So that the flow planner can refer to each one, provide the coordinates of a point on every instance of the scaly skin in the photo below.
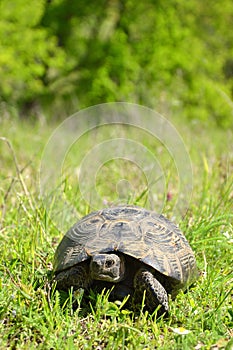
(76, 277)
(156, 295)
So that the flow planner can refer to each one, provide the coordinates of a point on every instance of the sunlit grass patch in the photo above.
(34, 315)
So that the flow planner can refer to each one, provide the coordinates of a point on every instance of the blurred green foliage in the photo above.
(173, 56)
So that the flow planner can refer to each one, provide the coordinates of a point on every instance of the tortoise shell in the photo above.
(134, 231)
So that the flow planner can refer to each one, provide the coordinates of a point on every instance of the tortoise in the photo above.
(130, 248)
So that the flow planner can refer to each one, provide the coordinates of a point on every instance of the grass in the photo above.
(33, 315)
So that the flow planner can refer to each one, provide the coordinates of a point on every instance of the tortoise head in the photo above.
(107, 267)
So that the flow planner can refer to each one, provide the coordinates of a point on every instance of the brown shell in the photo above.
(131, 230)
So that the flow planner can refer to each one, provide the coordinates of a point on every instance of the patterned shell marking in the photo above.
(137, 232)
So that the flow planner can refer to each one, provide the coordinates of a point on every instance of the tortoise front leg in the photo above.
(156, 295)
(76, 277)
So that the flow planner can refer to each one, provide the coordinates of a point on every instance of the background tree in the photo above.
(174, 56)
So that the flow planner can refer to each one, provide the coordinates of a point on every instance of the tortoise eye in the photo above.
(109, 263)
